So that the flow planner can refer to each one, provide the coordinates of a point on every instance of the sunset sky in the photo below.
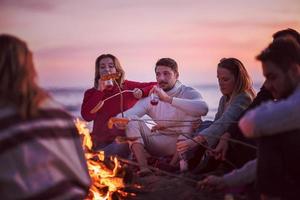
(66, 36)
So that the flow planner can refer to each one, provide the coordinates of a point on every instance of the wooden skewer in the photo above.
(100, 104)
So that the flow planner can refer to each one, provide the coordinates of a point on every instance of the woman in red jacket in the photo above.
(94, 108)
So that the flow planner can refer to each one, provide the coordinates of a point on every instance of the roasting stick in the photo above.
(147, 121)
(101, 102)
(117, 95)
(158, 170)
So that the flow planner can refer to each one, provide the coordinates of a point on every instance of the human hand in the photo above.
(185, 145)
(157, 127)
(137, 93)
(247, 126)
(163, 96)
(219, 153)
(211, 183)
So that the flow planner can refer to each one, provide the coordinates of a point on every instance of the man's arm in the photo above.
(242, 176)
(238, 177)
(139, 109)
(191, 103)
(272, 117)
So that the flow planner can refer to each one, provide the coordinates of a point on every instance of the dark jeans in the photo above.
(239, 154)
(278, 168)
(111, 149)
(194, 155)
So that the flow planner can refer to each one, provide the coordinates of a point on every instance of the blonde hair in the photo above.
(17, 77)
(243, 82)
(117, 65)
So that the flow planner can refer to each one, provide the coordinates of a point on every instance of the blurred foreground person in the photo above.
(40, 149)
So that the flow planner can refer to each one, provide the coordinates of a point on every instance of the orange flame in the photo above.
(105, 181)
(84, 131)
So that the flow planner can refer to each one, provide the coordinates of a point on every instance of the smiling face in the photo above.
(281, 84)
(226, 81)
(165, 77)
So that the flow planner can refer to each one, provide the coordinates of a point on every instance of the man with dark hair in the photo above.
(178, 107)
(169, 62)
(288, 34)
(277, 124)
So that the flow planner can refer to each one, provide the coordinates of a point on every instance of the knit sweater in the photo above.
(187, 105)
(101, 133)
(273, 117)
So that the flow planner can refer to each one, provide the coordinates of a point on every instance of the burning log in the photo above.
(106, 174)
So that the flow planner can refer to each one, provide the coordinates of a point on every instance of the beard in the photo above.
(290, 86)
(165, 86)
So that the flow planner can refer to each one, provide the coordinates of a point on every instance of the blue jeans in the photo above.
(112, 149)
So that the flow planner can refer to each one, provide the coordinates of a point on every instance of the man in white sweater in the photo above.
(178, 107)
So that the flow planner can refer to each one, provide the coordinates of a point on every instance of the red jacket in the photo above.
(101, 133)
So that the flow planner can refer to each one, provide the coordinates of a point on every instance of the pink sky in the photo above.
(66, 36)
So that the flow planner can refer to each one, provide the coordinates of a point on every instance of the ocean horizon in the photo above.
(71, 97)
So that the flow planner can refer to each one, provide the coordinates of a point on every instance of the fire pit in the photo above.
(114, 178)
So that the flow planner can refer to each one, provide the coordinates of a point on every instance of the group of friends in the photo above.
(223, 151)
(252, 144)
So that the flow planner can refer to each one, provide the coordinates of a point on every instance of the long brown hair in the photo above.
(117, 65)
(17, 77)
(243, 82)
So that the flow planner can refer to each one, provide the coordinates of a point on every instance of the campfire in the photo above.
(113, 178)
(107, 174)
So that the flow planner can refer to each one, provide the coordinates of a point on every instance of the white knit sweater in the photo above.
(187, 105)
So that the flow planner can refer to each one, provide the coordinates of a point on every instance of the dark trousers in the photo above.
(239, 154)
(278, 168)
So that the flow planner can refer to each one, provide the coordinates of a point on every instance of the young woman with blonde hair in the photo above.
(95, 107)
(236, 86)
